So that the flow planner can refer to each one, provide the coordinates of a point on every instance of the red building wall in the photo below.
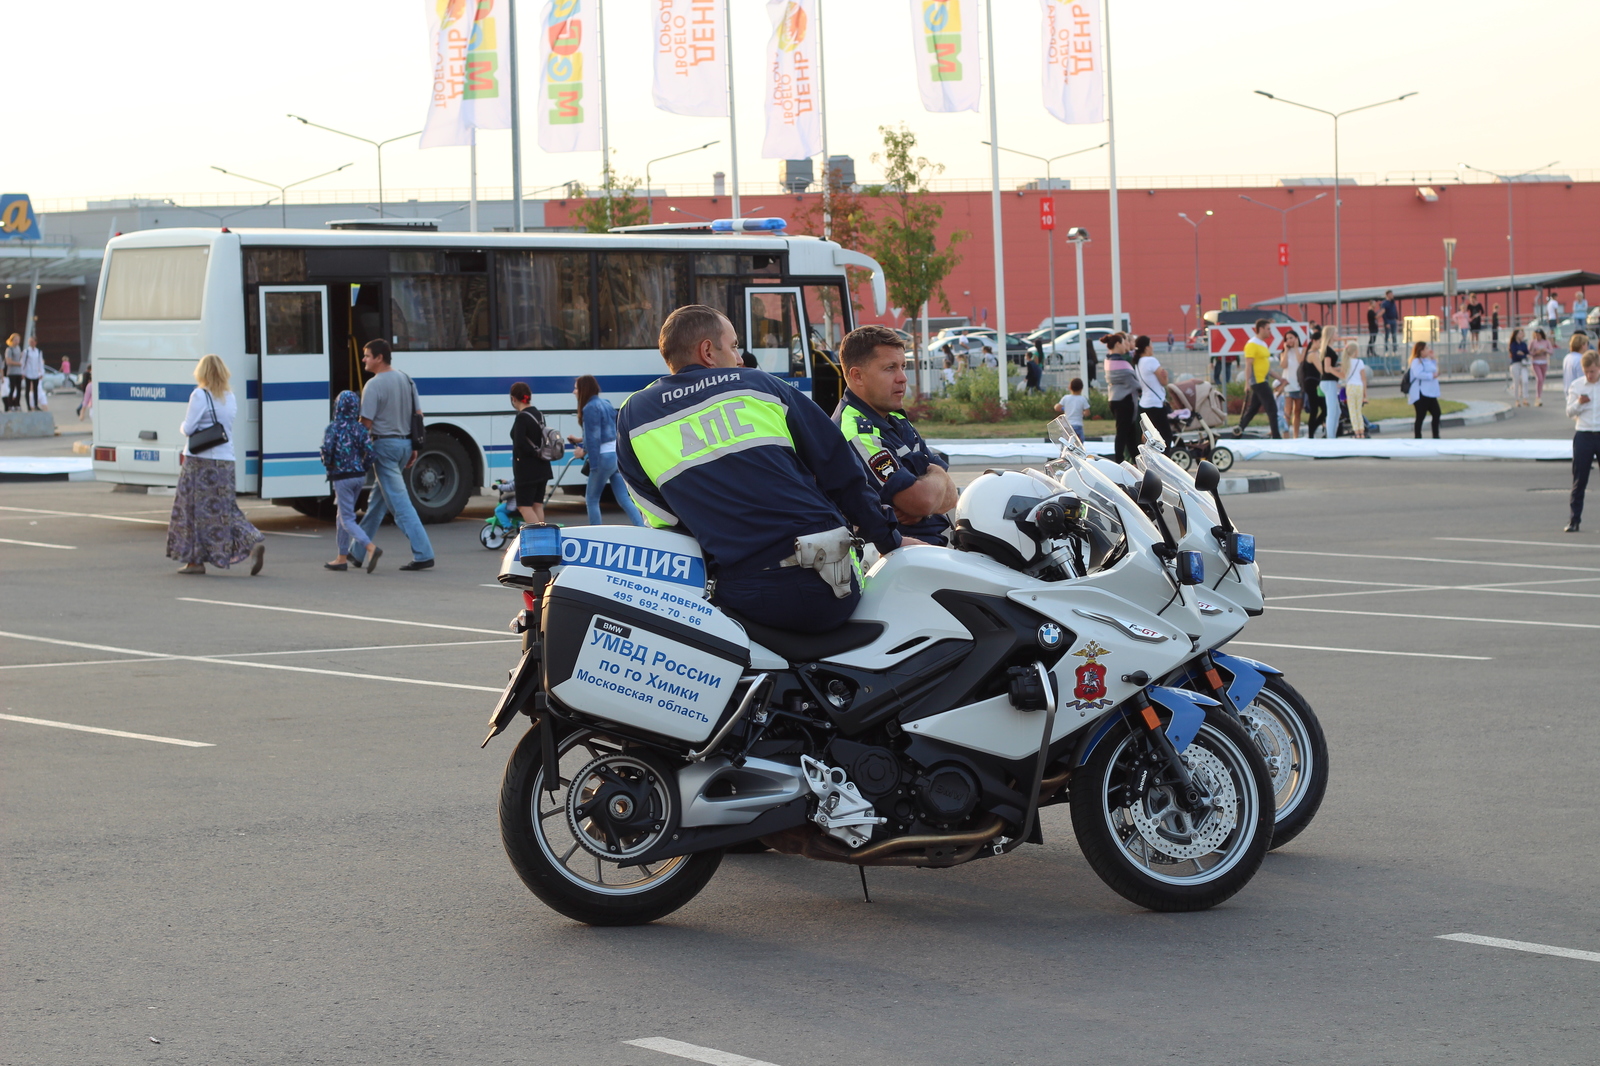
(1390, 237)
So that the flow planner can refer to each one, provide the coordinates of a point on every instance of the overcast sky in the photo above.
(119, 99)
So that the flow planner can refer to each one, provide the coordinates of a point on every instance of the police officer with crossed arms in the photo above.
(756, 472)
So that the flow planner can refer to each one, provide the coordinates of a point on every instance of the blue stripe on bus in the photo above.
(611, 383)
(292, 467)
(252, 466)
(148, 392)
(271, 456)
(252, 389)
(278, 391)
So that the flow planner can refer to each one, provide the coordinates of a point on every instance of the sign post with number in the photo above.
(1047, 223)
(1283, 255)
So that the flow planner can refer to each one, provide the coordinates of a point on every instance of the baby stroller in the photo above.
(1198, 409)
(505, 521)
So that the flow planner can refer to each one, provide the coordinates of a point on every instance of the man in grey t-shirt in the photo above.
(387, 403)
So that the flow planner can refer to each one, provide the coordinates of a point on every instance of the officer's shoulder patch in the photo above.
(864, 424)
(883, 464)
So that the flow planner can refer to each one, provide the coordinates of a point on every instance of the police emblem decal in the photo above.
(1049, 635)
(882, 464)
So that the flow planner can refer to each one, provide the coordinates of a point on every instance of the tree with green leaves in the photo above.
(617, 204)
(903, 233)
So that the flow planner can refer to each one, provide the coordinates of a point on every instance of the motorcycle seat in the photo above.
(805, 647)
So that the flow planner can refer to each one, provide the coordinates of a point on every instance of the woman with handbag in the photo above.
(598, 445)
(1422, 387)
(207, 525)
(1152, 387)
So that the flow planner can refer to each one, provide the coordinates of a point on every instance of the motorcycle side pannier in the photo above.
(640, 653)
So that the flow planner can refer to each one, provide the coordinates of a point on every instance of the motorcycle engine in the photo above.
(940, 796)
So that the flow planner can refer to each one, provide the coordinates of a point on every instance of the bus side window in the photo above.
(638, 290)
(542, 301)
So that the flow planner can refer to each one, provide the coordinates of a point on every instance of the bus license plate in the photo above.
(148, 455)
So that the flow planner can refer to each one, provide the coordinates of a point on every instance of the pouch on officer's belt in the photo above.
(828, 553)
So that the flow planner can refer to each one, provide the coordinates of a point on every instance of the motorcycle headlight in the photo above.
(1191, 568)
(539, 547)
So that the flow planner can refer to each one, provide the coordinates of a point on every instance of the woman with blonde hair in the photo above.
(1356, 376)
(13, 371)
(207, 525)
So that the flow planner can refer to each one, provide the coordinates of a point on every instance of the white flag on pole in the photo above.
(569, 118)
(470, 90)
(945, 45)
(1074, 82)
(794, 125)
(691, 76)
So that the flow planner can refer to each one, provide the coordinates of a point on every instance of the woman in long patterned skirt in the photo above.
(207, 525)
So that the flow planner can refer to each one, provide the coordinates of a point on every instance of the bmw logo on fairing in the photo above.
(1049, 635)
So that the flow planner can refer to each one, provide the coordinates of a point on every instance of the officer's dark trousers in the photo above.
(787, 598)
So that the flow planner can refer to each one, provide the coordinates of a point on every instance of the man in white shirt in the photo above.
(1552, 314)
(1583, 406)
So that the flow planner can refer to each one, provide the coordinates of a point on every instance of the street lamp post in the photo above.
(1338, 280)
(1198, 306)
(649, 196)
(283, 190)
(377, 145)
(1283, 213)
(1049, 238)
(1511, 228)
(1079, 237)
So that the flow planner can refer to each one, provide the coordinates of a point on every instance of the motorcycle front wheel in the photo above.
(1151, 851)
(560, 849)
(1289, 737)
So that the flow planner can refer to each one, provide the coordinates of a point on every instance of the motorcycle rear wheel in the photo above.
(1206, 861)
(540, 841)
(1300, 775)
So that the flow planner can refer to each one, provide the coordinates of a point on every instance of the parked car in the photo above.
(1247, 317)
(1065, 347)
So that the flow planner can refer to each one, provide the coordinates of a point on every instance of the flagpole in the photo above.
(733, 129)
(822, 107)
(472, 205)
(994, 202)
(605, 130)
(516, 123)
(1111, 137)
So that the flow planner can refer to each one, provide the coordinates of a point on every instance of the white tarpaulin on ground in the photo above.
(1074, 82)
(569, 112)
(1248, 450)
(794, 126)
(690, 67)
(945, 46)
(78, 468)
(464, 39)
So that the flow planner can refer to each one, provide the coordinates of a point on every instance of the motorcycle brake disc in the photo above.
(1273, 740)
(1172, 831)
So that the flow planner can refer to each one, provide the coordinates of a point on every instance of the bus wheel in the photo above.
(441, 479)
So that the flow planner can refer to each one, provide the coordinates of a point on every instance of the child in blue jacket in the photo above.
(347, 456)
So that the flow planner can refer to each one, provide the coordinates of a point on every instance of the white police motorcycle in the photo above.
(973, 686)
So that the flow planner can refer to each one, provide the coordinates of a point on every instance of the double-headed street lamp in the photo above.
(377, 145)
(1049, 237)
(1283, 212)
(649, 195)
(1511, 227)
(1338, 280)
(1198, 307)
(283, 190)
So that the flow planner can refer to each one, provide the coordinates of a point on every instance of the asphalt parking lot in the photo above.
(323, 880)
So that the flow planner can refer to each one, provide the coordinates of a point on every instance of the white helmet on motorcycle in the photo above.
(987, 518)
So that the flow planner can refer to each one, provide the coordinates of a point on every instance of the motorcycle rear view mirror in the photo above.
(1150, 488)
(1207, 477)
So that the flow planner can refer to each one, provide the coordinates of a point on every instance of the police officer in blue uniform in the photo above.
(755, 472)
(898, 462)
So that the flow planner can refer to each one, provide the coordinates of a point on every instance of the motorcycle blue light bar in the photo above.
(748, 225)
(1243, 548)
(1191, 568)
(539, 547)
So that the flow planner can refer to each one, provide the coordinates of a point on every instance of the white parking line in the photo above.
(695, 1052)
(141, 521)
(332, 614)
(1427, 559)
(39, 544)
(155, 655)
(107, 732)
(1360, 651)
(258, 654)
(1522, 945)
(1536, 543)
(1440, 617)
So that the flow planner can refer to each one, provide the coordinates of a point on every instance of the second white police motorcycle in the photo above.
(973, 686)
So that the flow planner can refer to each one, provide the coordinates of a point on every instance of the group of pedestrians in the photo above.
(24, 372)
(1136, 384)
(376, 432)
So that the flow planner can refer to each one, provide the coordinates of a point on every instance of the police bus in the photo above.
(467, 314)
